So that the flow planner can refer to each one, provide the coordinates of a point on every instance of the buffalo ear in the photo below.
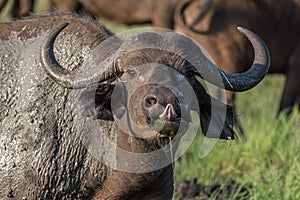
(103, 101)
(216, 118)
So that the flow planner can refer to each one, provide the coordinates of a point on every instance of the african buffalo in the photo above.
(158, 13)
(212, 23)
(86, 114)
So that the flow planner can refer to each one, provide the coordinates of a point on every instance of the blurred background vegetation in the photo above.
(268, 160)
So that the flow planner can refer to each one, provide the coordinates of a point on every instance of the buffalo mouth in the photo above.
(165, 121)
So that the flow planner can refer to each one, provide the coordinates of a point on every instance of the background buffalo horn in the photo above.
(241, 81)
(63, 76)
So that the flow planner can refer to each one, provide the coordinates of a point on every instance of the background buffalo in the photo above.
(212, 24)
(155, 12)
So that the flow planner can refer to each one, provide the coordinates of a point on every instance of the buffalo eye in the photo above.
(132, 74)
(190, 76)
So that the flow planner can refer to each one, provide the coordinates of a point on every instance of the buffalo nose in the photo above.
(150, 101)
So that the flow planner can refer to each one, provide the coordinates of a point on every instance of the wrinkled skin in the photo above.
(277, 21)
(27, 170)
(46, 147)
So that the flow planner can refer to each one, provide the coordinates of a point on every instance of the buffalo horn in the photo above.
(64, 77)
(241, 81)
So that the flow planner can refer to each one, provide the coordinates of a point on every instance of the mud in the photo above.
(193, 190)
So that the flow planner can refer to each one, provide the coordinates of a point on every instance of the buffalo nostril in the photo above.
(151, 101)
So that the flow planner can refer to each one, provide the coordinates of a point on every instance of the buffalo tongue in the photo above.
(169, 113)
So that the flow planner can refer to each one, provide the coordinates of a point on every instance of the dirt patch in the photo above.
(191, 189)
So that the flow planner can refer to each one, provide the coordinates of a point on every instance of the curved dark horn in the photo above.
(246, 80)
(63, 76)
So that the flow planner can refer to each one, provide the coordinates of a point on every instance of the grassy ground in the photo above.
(269, 159)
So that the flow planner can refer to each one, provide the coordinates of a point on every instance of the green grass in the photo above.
(4, 14)
(269, 159)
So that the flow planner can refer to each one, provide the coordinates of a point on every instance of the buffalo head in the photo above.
(152, 81)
